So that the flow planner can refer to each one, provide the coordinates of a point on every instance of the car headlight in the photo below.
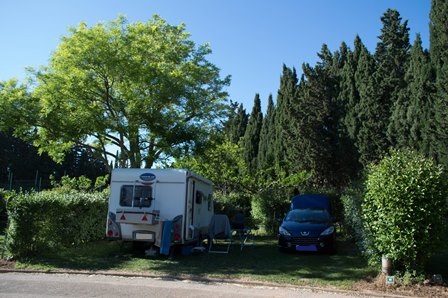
(283, 231)
(328, 231)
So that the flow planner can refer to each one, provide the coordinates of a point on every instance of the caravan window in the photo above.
(210, 202)
(199, 197)
(136, 196)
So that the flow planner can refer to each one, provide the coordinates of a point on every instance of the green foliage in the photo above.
(411, 122)
(268, 207)
(404, 208)
(439, 57)
(101, 182)
(52, 219)
(352, 220)
(235, 127)
(5, 196)
(274, 199)
(251, 139)
(266, 147)
(17, 107)
(231, 203)
(81, 183)
(283, 140)
(145, 88)
(223, 164)
(316, 138)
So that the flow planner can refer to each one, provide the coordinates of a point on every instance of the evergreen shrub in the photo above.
(404, 209)
(49, 220)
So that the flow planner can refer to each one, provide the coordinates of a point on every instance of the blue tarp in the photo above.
(310, 201)
(165, 242)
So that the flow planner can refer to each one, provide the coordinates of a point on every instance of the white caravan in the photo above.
(163, 207)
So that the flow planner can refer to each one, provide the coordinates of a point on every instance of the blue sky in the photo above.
(250, 39)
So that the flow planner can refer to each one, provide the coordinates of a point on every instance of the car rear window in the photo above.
(308, 215)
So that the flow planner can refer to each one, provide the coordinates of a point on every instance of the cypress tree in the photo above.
(411, 119)
(266, 150)
(392, 54)
(370, 135)
(251, 137)
(286, 116)
(317, 135)
(438, 30)
(237, 123)
(379, 81)
(349, 95)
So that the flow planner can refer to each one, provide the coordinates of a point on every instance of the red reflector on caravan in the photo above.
(123, 217)
(144, 218)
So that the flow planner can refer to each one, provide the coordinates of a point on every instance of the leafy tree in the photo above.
(144, 88)
(251, 137)
(439, 59)
(404, 208)
(18, 108)
(223, 163)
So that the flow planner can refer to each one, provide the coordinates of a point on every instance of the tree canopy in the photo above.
(136, 93)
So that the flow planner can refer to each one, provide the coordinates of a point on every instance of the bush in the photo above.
(231, 203)
(269, 206)
(52, 220)
(404, 208)
(352, 200)
(5, 195)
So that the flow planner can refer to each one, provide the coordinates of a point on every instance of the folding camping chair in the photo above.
(241, 231)
(219, 234)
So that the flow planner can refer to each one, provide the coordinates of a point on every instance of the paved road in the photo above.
(13, 284)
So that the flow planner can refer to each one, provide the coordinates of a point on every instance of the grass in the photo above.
(261, 262)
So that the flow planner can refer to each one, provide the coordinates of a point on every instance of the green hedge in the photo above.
(52, 220)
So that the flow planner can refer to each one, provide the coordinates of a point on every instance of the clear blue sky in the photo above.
(250, 39)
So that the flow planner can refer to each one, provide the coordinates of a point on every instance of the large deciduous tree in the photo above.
(136, 92)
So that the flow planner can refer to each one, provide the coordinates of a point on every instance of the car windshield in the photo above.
(308, 215)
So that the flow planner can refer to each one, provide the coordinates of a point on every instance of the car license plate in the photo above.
(306, 248)
(143, 236)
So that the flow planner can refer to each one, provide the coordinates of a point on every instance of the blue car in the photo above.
(310, 229)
